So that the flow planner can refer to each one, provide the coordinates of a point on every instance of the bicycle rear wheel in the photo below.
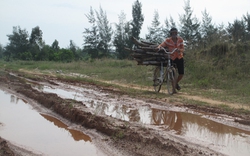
(171, 79)
(157, 79)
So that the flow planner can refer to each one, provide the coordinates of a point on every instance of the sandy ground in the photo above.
(115, 137)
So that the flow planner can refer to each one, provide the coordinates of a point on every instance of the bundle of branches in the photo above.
(146, 53)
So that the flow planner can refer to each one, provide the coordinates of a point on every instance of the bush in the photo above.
(219, 49)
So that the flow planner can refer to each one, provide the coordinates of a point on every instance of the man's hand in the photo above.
(158, 49)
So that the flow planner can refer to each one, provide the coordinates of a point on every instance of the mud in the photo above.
(128, 137)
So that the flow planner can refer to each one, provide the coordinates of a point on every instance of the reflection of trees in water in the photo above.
(134, 115)
(216, 132)
(119, 111)
(12, 98)
(201, 123)
(76, 135)
(123, 111)
(168, 118)
(100, 108)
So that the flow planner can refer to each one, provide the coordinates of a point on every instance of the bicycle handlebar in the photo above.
(167, 52)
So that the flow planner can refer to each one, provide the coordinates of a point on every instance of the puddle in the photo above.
(43, 134)
(220, 137)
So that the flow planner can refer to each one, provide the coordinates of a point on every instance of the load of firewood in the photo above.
(146, 53)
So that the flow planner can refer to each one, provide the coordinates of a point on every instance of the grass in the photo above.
(202, 77)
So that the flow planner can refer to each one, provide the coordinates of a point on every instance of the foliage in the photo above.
(122, 37)
(138, 19)
(19, 43)
(208, 31)
(155, 30)
(237, 30)
(91, 36)
(189, 27)
(1, 51)
(105, 33)
(168, 25)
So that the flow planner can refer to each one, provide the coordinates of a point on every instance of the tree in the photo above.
(36, 37)
(236, 30)
(208, 31)
(155, 30)
(121, 38)
(1, 51)
(65, 55)
(172, 22)
(105, 33)
(168, 25)
(247, 25)
(91, 36)
(222, 33)
(19, 43)
(137, 20)
(36, 43)
(45, 54)
(75, 50)
(189, 26)
(55, 45)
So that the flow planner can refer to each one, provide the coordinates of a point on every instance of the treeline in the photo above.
(101, 41)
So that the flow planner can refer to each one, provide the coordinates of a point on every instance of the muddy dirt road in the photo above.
(122, 125)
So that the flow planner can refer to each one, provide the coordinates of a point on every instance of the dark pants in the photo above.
(179, 64)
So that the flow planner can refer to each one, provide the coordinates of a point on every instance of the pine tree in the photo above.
(236, 30)
(247, 24)
(189, 27)
(105, 33)
(155, 30)
(121, 39)
(137, 20)
(168, 25)
(208, 31)
(91, 36)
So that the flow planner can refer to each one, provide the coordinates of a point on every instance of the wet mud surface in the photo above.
(133, 126)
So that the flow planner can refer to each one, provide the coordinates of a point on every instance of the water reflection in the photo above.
(229, 140)
(77, 135)
(14, 99)
(197, 128)
(171, 119)
(21, 124)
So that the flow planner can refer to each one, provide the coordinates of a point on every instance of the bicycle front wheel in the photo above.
(171, 80)
(157, 79)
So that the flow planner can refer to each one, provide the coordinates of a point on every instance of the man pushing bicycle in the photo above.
(172, 42)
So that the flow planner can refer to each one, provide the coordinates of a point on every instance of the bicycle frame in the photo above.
(166, 76)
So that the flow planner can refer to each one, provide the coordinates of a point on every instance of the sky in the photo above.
(65, 20)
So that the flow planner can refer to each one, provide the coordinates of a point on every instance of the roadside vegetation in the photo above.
(223, 78)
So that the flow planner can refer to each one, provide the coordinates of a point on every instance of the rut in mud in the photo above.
(130, 137)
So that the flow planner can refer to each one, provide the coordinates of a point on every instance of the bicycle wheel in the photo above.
(157, 79)
(171, 78)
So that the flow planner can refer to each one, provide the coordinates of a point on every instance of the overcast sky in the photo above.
(65, 20)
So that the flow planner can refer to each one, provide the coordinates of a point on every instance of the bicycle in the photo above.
(168, 75)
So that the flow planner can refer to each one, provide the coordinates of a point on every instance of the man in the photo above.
(175, 41)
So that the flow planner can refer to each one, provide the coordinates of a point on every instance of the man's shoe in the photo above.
(178, 87)
(174, 92)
